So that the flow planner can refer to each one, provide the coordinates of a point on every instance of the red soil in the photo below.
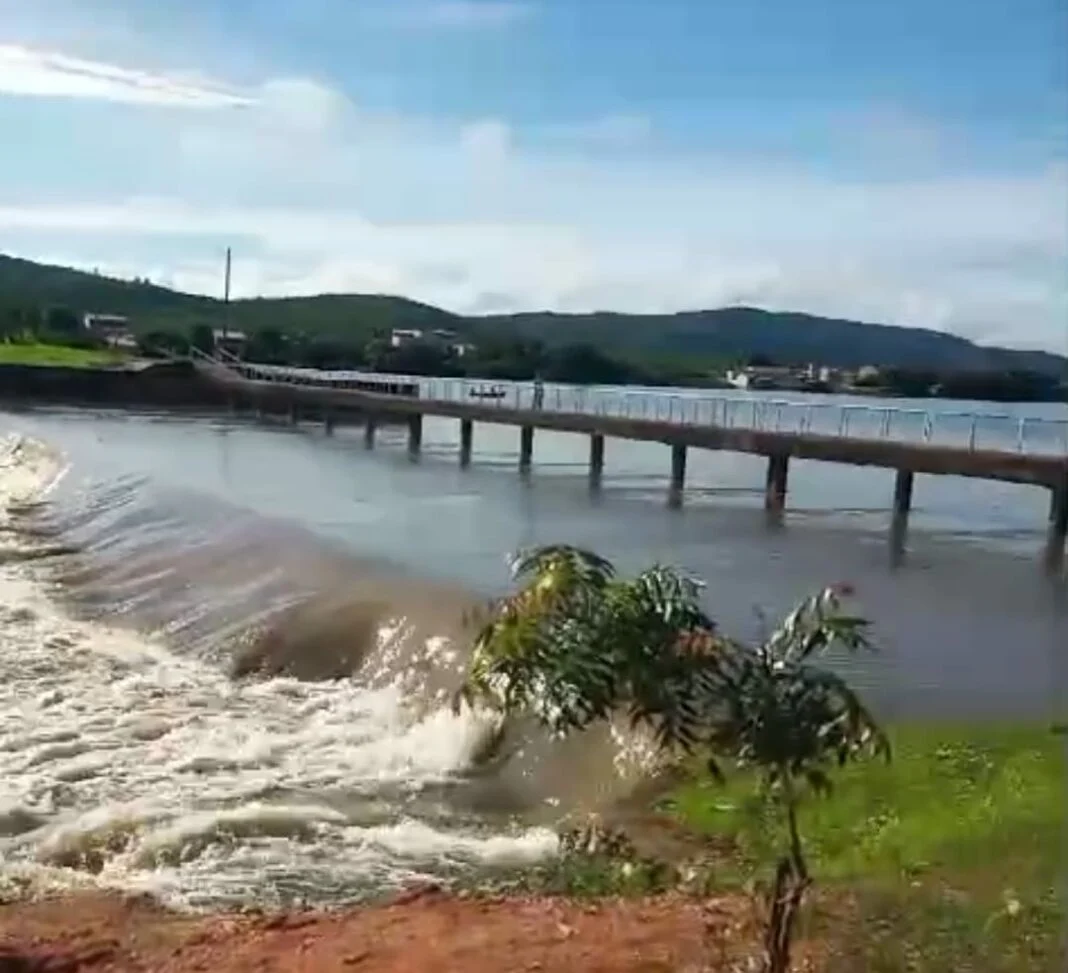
(426, 931)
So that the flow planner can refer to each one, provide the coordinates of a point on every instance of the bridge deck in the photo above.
(1041, 470)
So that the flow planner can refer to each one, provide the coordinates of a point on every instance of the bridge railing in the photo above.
(972, 430)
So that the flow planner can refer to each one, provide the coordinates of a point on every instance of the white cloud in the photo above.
(319, 195)
(610, 131)
(488, 142)
(28, 72)
(460, 14)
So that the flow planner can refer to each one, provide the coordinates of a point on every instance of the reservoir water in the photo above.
(226, 646)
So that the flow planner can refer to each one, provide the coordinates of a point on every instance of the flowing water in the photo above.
(227, 648)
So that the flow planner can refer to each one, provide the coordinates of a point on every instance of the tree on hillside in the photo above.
(417, 358)
(269, 346)
(584, 364)
(62, 321)
(576, 645)
(202, 337)
(161, 342)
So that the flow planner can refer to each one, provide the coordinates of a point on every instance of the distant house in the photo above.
(767, 377)
(112, 329)
(439, 337)
(230, 341)
(399, 337)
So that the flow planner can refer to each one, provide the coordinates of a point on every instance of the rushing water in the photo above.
(226, 647)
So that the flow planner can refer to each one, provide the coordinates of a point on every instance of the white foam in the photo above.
(127, 766)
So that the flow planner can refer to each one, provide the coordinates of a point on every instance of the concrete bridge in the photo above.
(907, 441)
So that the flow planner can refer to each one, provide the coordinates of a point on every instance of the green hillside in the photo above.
(722, 334)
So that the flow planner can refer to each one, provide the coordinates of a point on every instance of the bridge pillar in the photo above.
(369, 428)
(775, 488)
(899, 525)
(1058, 530)
(678, 475)
(415, 434)
(294, 413)
(467, 435)
(596, 460)
(328, 422)
(526, 448)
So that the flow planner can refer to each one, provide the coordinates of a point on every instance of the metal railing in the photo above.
(1002, 432)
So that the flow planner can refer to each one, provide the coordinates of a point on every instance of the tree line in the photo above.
(509, 357)
(503, 358)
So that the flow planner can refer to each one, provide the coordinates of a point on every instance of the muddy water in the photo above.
(226, 681)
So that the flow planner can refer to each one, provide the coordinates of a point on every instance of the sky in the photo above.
(902, 162)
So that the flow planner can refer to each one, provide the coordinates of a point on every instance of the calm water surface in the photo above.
(969, 624)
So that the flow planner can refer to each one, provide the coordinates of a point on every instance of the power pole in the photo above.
(226, 297)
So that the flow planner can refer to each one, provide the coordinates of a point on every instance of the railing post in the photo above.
(1021, 437)
(971, 435)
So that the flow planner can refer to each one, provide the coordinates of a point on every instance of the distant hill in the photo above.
(788, 336)
(735, 332)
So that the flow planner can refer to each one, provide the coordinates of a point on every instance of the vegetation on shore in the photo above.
(946, 858)
(949, 858)
(686, 348)
(577, 645)
(52, 354)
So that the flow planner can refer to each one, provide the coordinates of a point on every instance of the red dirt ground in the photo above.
(425, 931)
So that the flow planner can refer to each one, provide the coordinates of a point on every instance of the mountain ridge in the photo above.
(730, 332)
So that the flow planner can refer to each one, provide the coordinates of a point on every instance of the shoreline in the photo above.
(423, 930)
(159, 384)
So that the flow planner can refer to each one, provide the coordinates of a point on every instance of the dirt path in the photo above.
(422, 932)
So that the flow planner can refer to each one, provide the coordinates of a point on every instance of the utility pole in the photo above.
(226, 297)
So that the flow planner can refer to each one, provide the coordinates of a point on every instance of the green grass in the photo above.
(57, 355)
(949, 858)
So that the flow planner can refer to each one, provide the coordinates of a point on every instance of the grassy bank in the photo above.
(949, 858)
(57, 356)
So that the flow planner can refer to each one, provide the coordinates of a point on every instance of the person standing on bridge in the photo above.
(539, 393)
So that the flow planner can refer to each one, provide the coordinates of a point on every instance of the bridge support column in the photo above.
(1058, 530)
(415, 434)
(294, 413)
(596, 461)
(526, 448)
(775, 488)
(899, 525)
(678, 475)
(369, 428)
(328, 422)
(467, 435)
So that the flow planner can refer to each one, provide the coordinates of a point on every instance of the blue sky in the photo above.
(903, 162)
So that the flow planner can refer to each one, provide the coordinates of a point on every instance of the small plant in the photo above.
(576, 644)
